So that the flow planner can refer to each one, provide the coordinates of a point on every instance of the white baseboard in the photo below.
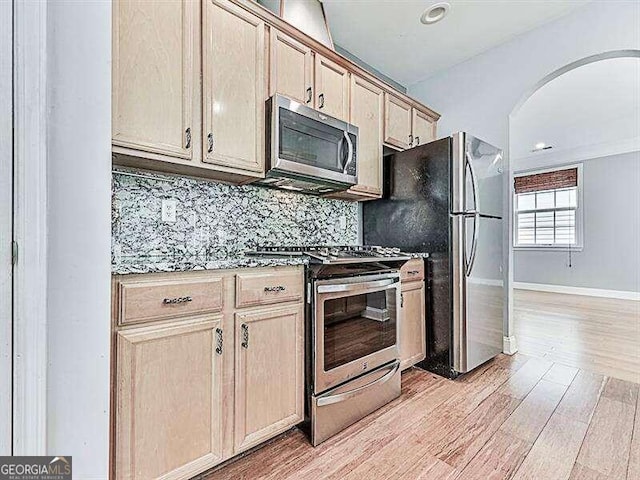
(509, 345)
(589, 292)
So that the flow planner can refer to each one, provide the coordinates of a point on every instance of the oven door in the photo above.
(310, 144)
(355, 327)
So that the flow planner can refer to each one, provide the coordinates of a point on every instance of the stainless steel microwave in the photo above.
(307, 150)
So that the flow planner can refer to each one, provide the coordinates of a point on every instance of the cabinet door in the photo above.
(153, 75)
(424, 128)
(269, 373)
(332, 88)
(291, 66)
(367, 107)
(413, 347)
(168, 400)
(233, 88)
(397, 122)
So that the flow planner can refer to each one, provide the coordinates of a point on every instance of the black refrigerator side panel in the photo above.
(414, 211)
(414, 216)
(438, 316)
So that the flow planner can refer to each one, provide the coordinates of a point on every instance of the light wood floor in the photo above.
(516, 417)
(597, 334)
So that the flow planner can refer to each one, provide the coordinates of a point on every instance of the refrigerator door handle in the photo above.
(474, 244)
(474, 182)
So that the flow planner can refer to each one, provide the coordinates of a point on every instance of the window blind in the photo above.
(547, 181)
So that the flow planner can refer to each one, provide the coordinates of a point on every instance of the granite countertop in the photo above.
(177, 263)
(155, 264)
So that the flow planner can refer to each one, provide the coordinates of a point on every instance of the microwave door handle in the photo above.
(349, 154)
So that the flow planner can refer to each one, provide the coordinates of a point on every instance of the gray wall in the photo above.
(610, 259)
(479, 95)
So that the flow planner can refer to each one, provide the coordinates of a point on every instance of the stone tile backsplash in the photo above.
(218, 220)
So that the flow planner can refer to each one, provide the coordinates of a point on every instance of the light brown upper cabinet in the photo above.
(153, 77)
(291, 68)
(406, 125)
(397, 122)
(234, 90)
(269, 390)
(169, 404)
(332, 88)
(423, 127)
(366, 112)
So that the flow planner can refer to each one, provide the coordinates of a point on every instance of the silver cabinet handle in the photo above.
(341, 397)
(410, 140)
(275, 288)
(309, 94)
(402, 300)
(413, 272)
(245, 335)
(219, 341)
(210, 141)
(321, 100)
(187, 135)
(177, 300)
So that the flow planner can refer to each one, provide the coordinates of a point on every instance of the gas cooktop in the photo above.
(337, 254)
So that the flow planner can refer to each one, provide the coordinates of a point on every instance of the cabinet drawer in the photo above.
(268, 288)
(142, 301)
(413, 270)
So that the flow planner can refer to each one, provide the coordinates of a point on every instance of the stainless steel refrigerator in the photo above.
(446, 198)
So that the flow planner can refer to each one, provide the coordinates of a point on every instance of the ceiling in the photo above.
(388, 34)
(594, 105)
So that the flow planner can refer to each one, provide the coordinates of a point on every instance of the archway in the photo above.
(555, 112)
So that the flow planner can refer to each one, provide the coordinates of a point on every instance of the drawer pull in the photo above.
(177, 300)
(413, 272)
(276, 288)
(245, 335)
(219, 341)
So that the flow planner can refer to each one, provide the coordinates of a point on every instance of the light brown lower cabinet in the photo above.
(194, 390)
(413, 347)
(168, 400)
(269, 373)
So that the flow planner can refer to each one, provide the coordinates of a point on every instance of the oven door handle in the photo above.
(358, 287)
(341, 397)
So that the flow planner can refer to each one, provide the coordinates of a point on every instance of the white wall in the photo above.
(479, 94)
(6, 233)
(610, 259)
(79, 176)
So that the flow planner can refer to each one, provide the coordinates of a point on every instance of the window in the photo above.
(547, 209)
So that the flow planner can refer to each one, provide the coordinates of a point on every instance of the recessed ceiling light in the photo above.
(435, 13)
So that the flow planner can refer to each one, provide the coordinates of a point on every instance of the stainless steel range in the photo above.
(352, 358)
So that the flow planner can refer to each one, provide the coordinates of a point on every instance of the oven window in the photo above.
(307, 141)
(357, 326)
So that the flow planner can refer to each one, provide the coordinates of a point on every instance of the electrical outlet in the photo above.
(169, 207)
